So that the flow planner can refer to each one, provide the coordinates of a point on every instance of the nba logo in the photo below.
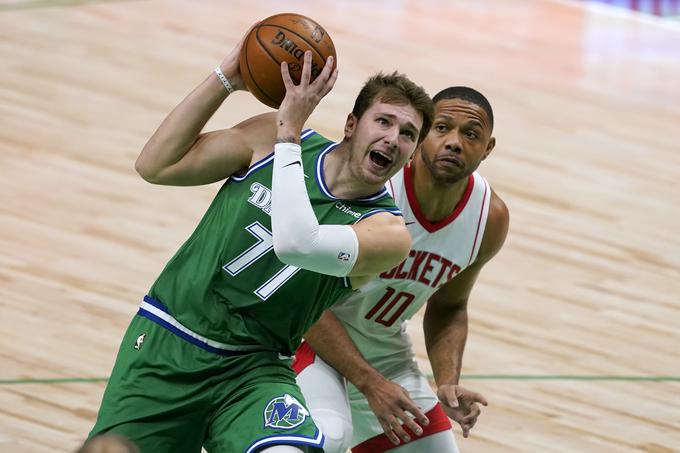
(284, 412)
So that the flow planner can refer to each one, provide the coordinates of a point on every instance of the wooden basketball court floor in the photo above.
(574, 327)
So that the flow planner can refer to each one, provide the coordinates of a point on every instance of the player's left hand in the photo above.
(461, 405)
(302, 99)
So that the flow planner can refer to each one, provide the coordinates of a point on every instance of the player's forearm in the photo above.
(298, 239)
(445, 336)
(330, 341)
(180, 129)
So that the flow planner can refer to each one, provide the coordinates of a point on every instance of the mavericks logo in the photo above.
(284, 412)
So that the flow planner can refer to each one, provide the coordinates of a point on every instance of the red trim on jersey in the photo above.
(479, 223)
(415, 207)
(304, 356)
(438, 422)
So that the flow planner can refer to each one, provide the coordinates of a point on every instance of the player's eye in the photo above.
(409, 133)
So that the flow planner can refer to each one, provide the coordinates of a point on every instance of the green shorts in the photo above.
(169, 395)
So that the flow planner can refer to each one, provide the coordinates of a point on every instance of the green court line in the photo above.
(470, 377)
(563, 377)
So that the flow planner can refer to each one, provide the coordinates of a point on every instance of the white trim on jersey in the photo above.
(176, 327)
(375, 313)
(292, 439)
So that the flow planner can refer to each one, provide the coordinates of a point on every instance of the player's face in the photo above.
(383, 140)
(459, 140)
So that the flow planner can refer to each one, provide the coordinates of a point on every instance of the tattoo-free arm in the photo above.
(446, 324)
(388, 400)
(179, 154)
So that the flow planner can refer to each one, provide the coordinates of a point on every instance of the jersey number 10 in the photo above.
(382, 317)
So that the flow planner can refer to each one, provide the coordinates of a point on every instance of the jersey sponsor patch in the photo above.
(284, 412)
(347, 210)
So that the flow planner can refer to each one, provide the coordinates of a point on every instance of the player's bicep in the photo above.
(213, 157)
(457, 290)
(384, 242)
(219, 154)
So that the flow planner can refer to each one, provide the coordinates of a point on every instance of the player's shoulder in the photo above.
(257, 133)
(497, 224)
(311, 138)
(498, 209)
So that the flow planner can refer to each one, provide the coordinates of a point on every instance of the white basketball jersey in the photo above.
(375, 314)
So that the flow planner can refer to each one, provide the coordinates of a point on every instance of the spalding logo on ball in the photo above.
(279, 38)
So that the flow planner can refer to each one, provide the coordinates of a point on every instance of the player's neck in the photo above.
(436, 200)
(339, 178)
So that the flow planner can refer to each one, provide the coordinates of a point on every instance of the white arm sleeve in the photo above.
(299, 240)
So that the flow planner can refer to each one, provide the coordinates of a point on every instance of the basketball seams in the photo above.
(311, 43)
(269, 54)
(263, 53)
(257, 85)
(305, 18)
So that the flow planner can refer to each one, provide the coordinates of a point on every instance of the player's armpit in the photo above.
(384, 242)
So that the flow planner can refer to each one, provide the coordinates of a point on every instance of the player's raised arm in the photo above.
(179, 154)
(372, 245)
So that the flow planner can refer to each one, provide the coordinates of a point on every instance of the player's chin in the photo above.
(374, 175)
(450, 174)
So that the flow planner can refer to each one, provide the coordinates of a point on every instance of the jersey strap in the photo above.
(155, 311)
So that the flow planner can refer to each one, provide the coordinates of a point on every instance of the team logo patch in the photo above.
(140, 340)
(284, 412)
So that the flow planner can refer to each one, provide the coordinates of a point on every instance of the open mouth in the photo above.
(380, 159)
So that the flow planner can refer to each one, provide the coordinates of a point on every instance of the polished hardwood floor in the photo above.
(574, 327)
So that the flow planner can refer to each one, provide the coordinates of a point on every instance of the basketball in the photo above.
(279, 38)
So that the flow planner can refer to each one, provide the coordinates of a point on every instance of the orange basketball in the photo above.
(279, 38)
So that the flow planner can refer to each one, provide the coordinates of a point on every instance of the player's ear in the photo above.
(350, 125)
(489, 147)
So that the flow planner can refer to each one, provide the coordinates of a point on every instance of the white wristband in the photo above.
(299, 240)
(223, 79)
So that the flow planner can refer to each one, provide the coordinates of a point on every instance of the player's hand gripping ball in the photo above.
(279, 38)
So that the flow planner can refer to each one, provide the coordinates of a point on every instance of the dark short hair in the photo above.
(466, 94)
(396, 88)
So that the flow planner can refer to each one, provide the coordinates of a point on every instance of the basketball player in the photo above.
(206, 361)
(457, 224)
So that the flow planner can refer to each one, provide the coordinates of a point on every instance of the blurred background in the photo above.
(574, 334)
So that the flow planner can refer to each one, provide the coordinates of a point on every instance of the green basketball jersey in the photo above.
(225, 287)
